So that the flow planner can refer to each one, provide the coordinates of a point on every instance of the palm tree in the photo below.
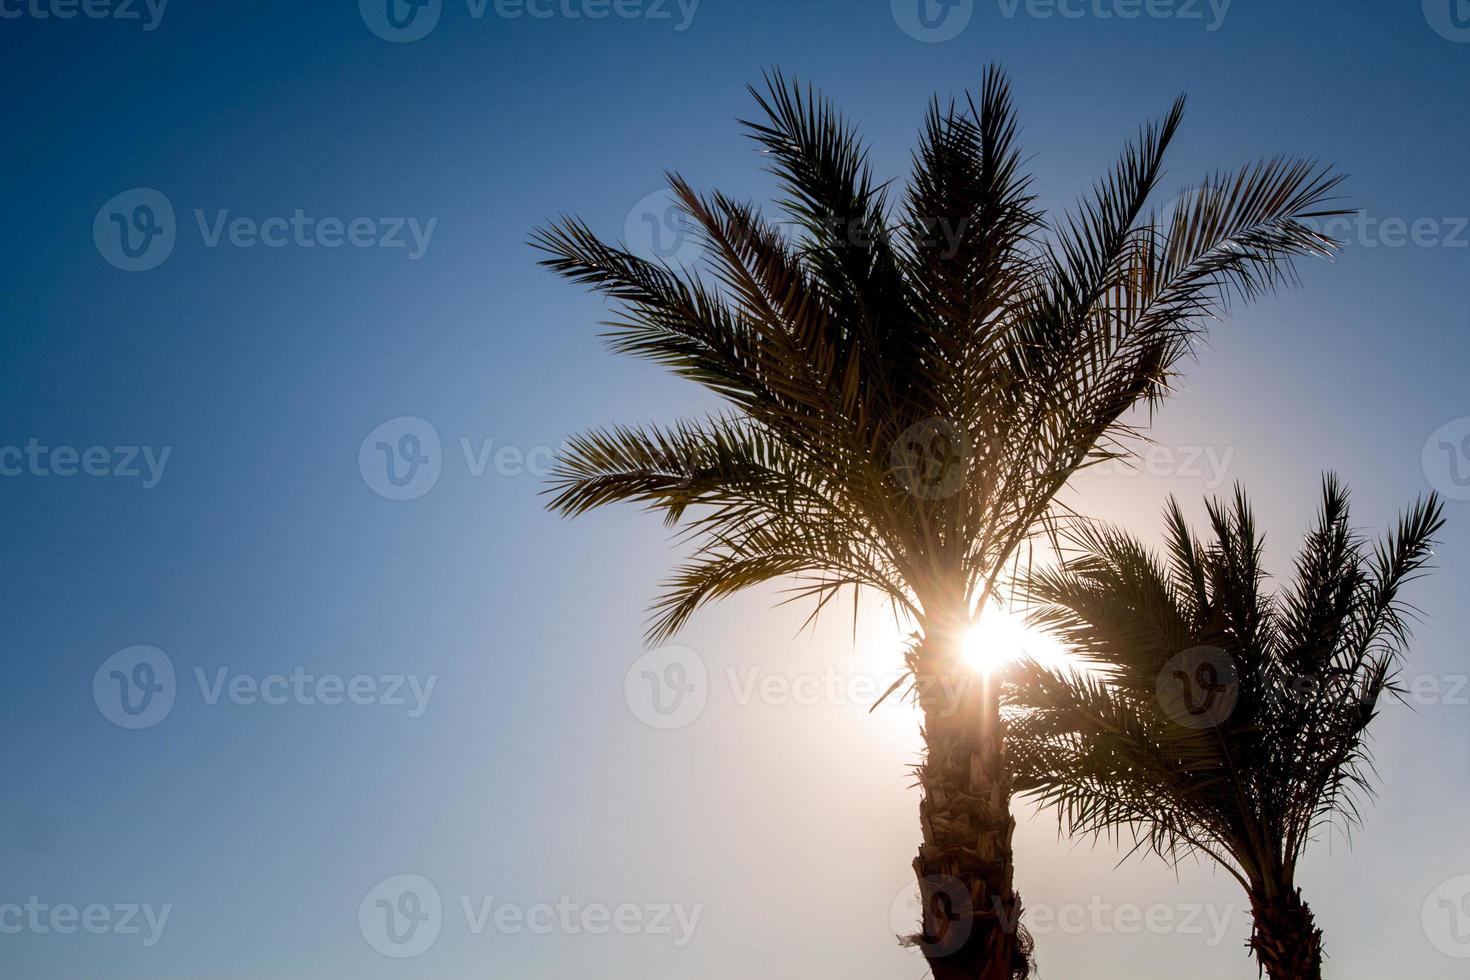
(1220, 721)
(907, 386)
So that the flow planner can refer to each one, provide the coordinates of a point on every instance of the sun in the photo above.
(1002, 636)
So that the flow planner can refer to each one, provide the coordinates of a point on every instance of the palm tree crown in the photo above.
(1220, 719)
(908, 382)
(909, 386)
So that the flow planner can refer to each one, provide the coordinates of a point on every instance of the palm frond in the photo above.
(1304, 674)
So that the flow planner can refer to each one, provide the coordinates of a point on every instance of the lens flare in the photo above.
(1001, 637)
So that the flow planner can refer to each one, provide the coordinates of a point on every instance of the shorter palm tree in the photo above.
(1220, 720)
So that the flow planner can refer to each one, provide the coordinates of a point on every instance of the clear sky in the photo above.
(772, 831)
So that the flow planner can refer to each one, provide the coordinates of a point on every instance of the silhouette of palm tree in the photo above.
(909, 384)
(1220, 720)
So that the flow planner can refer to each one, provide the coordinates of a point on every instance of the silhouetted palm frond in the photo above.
(1298, 676)
(911, 384)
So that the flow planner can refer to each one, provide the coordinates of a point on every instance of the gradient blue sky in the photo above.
(528, 778)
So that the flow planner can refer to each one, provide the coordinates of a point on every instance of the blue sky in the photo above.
(241, 382)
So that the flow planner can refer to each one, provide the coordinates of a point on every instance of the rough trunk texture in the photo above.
(971, 926)
(1286, 940)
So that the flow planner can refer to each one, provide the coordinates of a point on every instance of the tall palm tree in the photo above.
(1221, 721)
(908, 384)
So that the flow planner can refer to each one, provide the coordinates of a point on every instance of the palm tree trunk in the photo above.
(971, 925)
(1286, 940)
